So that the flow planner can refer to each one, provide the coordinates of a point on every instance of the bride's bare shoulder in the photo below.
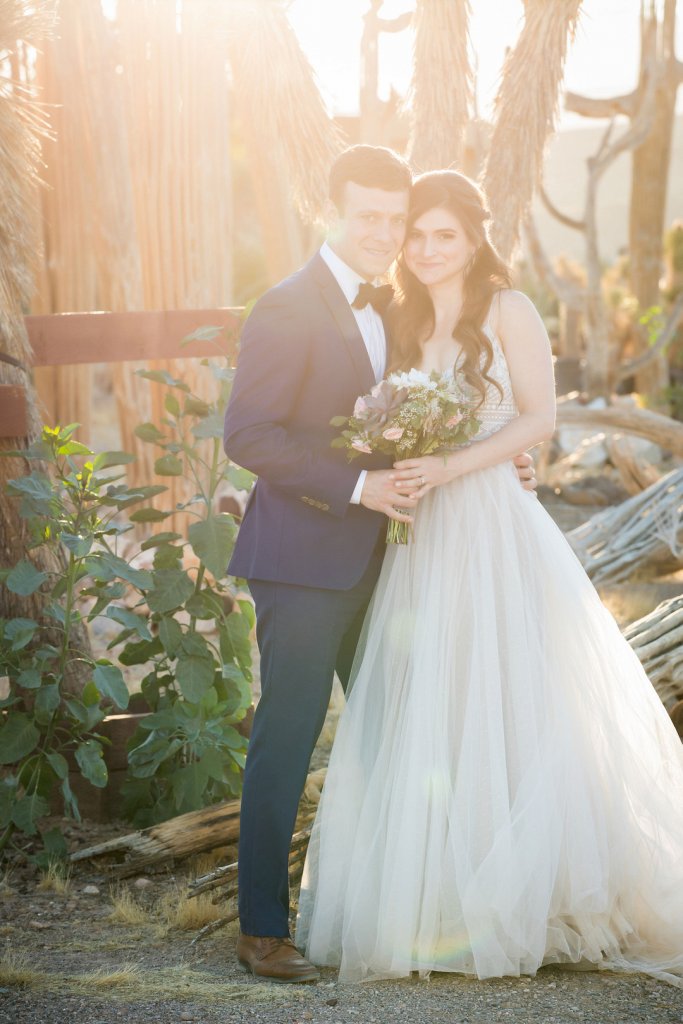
(512, 310)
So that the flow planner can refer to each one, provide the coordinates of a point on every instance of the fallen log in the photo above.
(643, 535)
(657, 639)
(187, 834)
(177, 838)
(663, 430)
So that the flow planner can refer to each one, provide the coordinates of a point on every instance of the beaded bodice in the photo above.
(497, 409)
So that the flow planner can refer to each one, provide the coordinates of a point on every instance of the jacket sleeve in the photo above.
(272, 362)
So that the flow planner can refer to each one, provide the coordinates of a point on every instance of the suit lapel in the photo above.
(336, 302)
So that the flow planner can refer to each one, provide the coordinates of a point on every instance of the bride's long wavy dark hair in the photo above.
(412, 314)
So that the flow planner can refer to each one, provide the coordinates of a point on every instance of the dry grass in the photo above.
(56, 879)
(6, 883)
(15, 969)
(124, 976)
(177, 912)
(131, 982)
(126, 910)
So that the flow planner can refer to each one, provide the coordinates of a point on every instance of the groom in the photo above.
(311, 541)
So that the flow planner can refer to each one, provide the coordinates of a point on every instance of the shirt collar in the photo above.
(348, 280)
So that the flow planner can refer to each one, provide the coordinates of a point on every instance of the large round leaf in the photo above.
(24, 579)
(195, 673)
(110, 682)
(18, 737)
(211, 541)
(91, 763)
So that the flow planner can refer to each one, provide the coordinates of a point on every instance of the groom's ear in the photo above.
(331, 214)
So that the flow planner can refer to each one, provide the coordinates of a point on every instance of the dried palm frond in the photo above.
(525, 111)
(22, 123)
(442, 83)
(279, 98)
(25, 22)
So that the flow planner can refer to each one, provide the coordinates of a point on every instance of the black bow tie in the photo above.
(379, 298)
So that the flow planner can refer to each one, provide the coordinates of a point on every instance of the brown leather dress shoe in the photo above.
(274, 959)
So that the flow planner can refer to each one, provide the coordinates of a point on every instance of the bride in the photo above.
(505, 786)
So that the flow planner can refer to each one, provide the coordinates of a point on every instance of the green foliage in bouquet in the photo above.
(409, 415)
(72, 510)
(406, 416)
(188, 753)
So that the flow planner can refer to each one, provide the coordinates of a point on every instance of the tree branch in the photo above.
(395, 24)
(586, 106)
(566, 292)
(663, 340)
(570, 222)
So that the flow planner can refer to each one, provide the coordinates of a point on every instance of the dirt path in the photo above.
(67, 959)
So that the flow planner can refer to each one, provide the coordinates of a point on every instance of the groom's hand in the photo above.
(524, 464)
(381, 493)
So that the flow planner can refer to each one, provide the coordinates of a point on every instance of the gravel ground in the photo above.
(66, 960)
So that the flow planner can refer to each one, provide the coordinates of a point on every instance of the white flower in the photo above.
(404, 380)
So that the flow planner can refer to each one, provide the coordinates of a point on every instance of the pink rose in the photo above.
(359, 444)
(454, 420)
(360, 407)
(393, 434)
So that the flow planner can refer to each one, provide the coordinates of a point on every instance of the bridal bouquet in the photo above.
(408, 415)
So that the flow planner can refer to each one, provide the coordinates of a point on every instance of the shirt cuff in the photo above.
(358, 489)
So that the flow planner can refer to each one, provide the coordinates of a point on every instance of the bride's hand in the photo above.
(420, 475)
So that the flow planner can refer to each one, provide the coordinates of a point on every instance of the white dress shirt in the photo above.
(369, 324)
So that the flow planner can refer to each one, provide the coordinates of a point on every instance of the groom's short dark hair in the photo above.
(371, 166)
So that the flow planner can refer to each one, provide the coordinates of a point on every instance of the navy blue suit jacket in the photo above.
(302, 360)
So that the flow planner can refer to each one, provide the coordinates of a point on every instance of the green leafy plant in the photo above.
(188, 753)
(70, 503)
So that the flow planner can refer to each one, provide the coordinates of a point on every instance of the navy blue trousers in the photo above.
(304, 636)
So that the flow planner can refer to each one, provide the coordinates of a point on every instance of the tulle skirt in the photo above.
(505, 787)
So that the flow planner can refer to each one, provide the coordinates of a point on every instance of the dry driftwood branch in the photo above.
(635, 472)
(657, 639)
(224, 879)
(642, 535)
(175, 839)
(663, 430)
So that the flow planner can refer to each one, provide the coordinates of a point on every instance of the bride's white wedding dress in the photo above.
(505, 787)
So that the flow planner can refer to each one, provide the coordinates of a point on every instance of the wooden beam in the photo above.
(67, 339)
(13, 411)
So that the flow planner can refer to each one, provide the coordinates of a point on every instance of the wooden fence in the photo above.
(69, 339)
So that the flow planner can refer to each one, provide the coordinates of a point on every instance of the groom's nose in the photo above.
(383, 231)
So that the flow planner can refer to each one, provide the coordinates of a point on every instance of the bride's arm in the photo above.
(529, 358)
